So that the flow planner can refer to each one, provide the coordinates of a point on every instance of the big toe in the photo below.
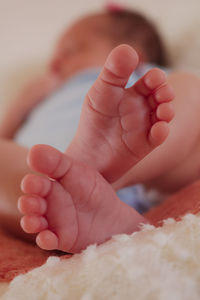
(49, 161)
(114, 76)
(119, 65)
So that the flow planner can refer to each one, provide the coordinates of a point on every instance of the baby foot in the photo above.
(118, 125)
(74, 206)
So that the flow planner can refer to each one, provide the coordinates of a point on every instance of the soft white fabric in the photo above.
(154, 264)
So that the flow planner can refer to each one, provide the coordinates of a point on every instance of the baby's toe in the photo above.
(158, 133)
(33, 224)
(165, 112)
(49, 161)
(164, 93)
(150, 81)
(36, 185)
(154, 78)
(119, 65)
(47, 240)
(105, 94)
(31, 205)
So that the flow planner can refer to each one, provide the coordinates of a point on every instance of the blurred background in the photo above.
(30, 28)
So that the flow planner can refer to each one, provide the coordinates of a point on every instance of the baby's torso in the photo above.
(54, 121)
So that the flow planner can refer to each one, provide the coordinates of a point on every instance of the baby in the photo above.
(123, 138)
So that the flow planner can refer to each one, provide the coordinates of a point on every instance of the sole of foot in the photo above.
(72, 206)
(119, 126)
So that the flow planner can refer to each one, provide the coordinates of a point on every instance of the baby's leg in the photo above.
(74, 207)
(13, 168)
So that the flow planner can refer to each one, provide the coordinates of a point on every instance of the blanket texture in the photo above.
(125, 259)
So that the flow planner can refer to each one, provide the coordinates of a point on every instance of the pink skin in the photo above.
(121, 131)
(118, 127)
(80, 216)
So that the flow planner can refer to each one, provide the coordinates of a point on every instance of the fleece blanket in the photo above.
(174, 243)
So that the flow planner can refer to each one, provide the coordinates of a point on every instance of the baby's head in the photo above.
(87, 43)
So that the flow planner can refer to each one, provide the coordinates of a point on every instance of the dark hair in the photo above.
(131, 27)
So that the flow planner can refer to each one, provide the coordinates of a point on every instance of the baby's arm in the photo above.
(24, 103)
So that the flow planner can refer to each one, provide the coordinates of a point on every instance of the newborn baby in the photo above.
(123, 135)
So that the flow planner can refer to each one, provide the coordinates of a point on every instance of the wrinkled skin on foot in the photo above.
(74, 206)
(119, 126)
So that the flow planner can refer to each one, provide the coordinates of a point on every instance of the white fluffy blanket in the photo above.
(153, 264)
